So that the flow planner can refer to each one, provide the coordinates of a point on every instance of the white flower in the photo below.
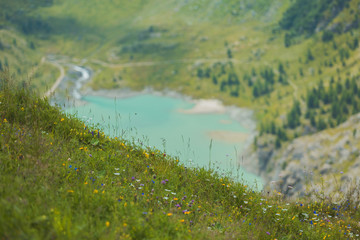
(117, 174)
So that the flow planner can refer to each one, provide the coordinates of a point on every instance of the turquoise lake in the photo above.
(157, 121)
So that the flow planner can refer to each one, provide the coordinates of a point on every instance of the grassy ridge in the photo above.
(62, 179)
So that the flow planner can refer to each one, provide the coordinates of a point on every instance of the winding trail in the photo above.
(58, 80)
(153, 63)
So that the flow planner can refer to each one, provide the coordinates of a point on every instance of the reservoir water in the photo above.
(160, 121)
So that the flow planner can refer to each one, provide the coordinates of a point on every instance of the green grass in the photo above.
(64, 180)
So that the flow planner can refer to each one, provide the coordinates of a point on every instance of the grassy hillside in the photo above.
(298, 72)
(62, 179)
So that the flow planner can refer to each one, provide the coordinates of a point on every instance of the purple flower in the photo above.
(133, 178)
(267, 233)
(163, 182)
(90, 155)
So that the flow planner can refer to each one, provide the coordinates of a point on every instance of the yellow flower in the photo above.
(70, 191)
(22, 109)
(96, 191)
(169, 214)
(124, 224)
(107, 223)
(175, 199)
(182, 220)
(5, 121)
(85, 183)
(62, 119)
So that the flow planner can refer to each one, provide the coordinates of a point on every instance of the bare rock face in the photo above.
(323, 162)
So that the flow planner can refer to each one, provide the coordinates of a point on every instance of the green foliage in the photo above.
(293, 117)
(60, 179)
(304, 16)
(327, 36)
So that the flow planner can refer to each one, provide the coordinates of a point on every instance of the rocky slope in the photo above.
(328, 161)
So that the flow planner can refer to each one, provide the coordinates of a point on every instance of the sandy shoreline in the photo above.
(228, 136)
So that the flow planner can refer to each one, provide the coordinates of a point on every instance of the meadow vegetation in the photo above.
(63, 179)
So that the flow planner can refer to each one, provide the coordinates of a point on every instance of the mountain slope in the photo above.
(61, 179)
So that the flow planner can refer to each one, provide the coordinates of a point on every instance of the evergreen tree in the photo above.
(200, 73)
(277, 143)
(335, 109)
(301, 72)
(354, 86)
(281, 68)
(253, 72)
(321, 124)
(229, 54)
(256, 90)
(309, 55)
(312, 120)
(287, 40)
(223, 86)
(273, 128)
(214, 80)
(347, 83)
(339, 87)
(207, 72)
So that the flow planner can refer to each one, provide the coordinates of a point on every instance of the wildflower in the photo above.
(62, 119)
(22, 109)
(5, 121)
(169, 214)
(124, 224)
(107, 223)
(96, 191)
(267, 233)
(70, 191)
(182, 220)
